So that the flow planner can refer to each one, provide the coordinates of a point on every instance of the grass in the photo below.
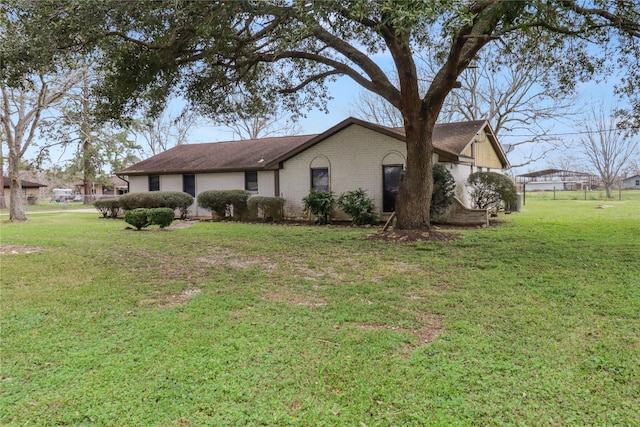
(534, 322)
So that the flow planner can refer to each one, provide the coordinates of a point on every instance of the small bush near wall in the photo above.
(158, 199)
(108, 207)
(266, 208)
(444, 187)
(162, 217)
(360, 207)
(136, 217)
(488, 189)
(319, 204)
(177, 200)
(225, 203)
(131, 201)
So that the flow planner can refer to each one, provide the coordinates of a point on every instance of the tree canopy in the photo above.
(289, 51)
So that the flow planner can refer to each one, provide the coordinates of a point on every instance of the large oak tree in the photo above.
(288, 51)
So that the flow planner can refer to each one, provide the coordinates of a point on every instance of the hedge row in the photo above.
(156, 199)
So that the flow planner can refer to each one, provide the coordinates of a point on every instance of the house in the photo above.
(30, 190)
(352, 154)
(557, 179)
(632, 182)
(114, 186)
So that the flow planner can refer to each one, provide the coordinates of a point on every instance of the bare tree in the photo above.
(22, 110)
(261, 127)
(3, 204)
(250, 117)
(510, 96)
(163, 132)
(606, 148)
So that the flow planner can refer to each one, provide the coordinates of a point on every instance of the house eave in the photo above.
(192, 171)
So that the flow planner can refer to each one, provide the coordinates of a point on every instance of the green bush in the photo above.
(360, 207)
(489, 189)
(176, 200)
(132, 201)
(158, 199)
(136, 217)
(162, 217)
(267, 208)
(108, 207)
(319, 204)
(443, 190)
(225, 203)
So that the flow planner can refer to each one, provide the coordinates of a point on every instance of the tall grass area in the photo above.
(532, 322)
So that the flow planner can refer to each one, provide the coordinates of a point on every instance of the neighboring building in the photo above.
(114, 187)
(557, 179)
(30, 190)
(353, 154)
(632, 182)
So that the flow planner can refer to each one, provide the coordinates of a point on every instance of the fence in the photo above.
(78, 200)
(617, 194)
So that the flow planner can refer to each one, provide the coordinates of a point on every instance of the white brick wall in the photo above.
(207, 181)
(354, 156)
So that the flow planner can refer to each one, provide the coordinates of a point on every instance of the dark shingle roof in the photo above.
(454, 138)
(252, 154)
(449, 140)
(6, 183)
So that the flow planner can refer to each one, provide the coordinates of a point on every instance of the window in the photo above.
(391, 179)
(637, 182)
(320, 179)
(189, 184)
(154, 182)
(251, 181)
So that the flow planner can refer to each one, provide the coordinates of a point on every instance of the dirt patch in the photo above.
(169, 301)
(296, 299)
(229, 258)
(18, 249)
(181, 224)
(404, 236)
(430, 328)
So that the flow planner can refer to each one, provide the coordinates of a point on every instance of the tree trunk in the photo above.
(414, 200)
(607, 190)
(3, 203)
(16, 208)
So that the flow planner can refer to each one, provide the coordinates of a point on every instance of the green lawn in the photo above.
(533, 322)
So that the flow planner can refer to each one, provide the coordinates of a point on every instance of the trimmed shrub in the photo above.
(158, 199)
(177, 200)
(108, 207)
(162, 217)
(489, 189)
(136, 217)
(319, 204)
(151, 199)
(269, 209)
(360, 207)
(443, 190)
(225, 203)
